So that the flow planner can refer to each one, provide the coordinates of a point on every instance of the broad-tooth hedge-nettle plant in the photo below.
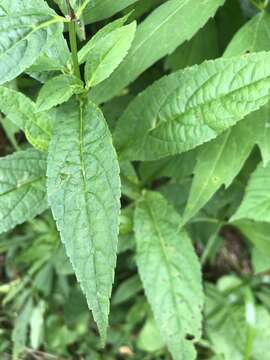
(201, 120)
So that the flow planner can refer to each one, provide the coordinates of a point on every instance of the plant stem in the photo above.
(74, 49)
(73, 40)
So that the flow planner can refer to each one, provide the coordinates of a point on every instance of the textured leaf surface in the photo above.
(22, 187)
(192, 106)
(165, 28)
(221, 160)
(58, 90)
(170, 273)
(84, 193)
(107, 54)
(256, 202)
(26, 28)
(22, 112)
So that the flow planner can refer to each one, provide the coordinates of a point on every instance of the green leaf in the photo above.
(230, 341)
(22, 112)
(171, 117)
(100, 35)
(19, 333)
(26, 29)
(218, 163)
(58, 90)
(98, 10)
(107, 54)
(262, 121)
(170, 273)
(83, 177)
(260, 260)
(167, 27)
(149, 338)
(203, 46)
(127, 290)
(177, 167)
(254, 36)
(256, 202)
(54, 58)
(22, 188)
(257, 232)
(221, 160)
(36, 324)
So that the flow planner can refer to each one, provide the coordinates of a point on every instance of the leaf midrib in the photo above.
(166, 261)
(26, 183)
(83, 172)
(199, 106)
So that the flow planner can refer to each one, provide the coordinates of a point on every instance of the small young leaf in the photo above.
(22, 188)
(170, 273)
(256, 202)
(167, 27)
(170, 117)
(22, 112)
(107, 54)
(127, 290)
(101, 34)
(58, 90)
(26, 29)
(84, 193)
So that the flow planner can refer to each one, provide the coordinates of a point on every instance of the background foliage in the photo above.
(208, 191)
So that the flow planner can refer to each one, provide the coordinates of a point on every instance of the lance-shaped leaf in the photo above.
(22, 187)
(58, 90)
(101, 9)
(164, 29)
(203, 46)
(221, 160)
(84, 193)
(22, 112)
(26, 29)
(107, 54)
(253, 36)
(100, 35)
(256, 202)
(170, 272)
(192, 106)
